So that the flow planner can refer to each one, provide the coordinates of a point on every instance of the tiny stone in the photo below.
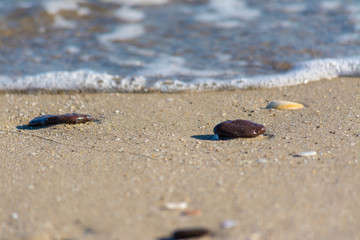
(306, 154)
(176, 205)
(261, 160)
(14, 215)
(228, 224)
(238, 129)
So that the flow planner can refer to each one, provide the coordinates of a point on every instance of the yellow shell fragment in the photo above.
(284, 105)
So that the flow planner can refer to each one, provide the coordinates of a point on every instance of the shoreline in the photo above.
(110, 179)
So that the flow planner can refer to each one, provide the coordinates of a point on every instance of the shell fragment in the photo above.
(284, 105)
(176, 205)
(306, 154)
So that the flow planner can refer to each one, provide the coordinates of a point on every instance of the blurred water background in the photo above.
(174, 45)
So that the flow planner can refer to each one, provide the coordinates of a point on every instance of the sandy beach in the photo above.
(111, 179)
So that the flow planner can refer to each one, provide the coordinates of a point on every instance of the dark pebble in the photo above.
(238, 129)
(191, 233)
(69, 118)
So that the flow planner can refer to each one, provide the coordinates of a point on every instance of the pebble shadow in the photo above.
(191, 233)
(211, 137)
(214, 138)
(27, 127)
(206, 137)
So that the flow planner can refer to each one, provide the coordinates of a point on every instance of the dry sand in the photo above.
(111, 179)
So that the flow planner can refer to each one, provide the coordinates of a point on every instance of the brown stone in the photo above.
(70, 118)
(238, 129)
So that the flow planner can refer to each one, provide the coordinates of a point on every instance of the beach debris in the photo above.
(306, 154)
(230, 223)
(14, 215)
(69, 118)
(238, 129)
(192, 213)
(284, 105)
(191, 233)
(261, 160)
(175, 205)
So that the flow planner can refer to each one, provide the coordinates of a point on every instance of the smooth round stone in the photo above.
(238, 129)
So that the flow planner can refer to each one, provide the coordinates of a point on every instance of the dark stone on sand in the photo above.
(238, 129)
(191, 233)
(69, 118)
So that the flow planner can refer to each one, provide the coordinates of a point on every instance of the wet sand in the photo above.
(111, 179)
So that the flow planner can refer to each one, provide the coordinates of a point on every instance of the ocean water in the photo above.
(175, 45)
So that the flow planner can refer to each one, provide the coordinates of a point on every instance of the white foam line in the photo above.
(310, 71)
(75, 80)
(90, 80)
(303, 73)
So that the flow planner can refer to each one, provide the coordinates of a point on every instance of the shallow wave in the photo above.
(91, 81)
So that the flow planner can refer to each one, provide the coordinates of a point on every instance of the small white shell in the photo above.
(176, 205)
(284, 105)
(306, 154)
(230, 223)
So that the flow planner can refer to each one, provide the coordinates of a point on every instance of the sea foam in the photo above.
(89, 80)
